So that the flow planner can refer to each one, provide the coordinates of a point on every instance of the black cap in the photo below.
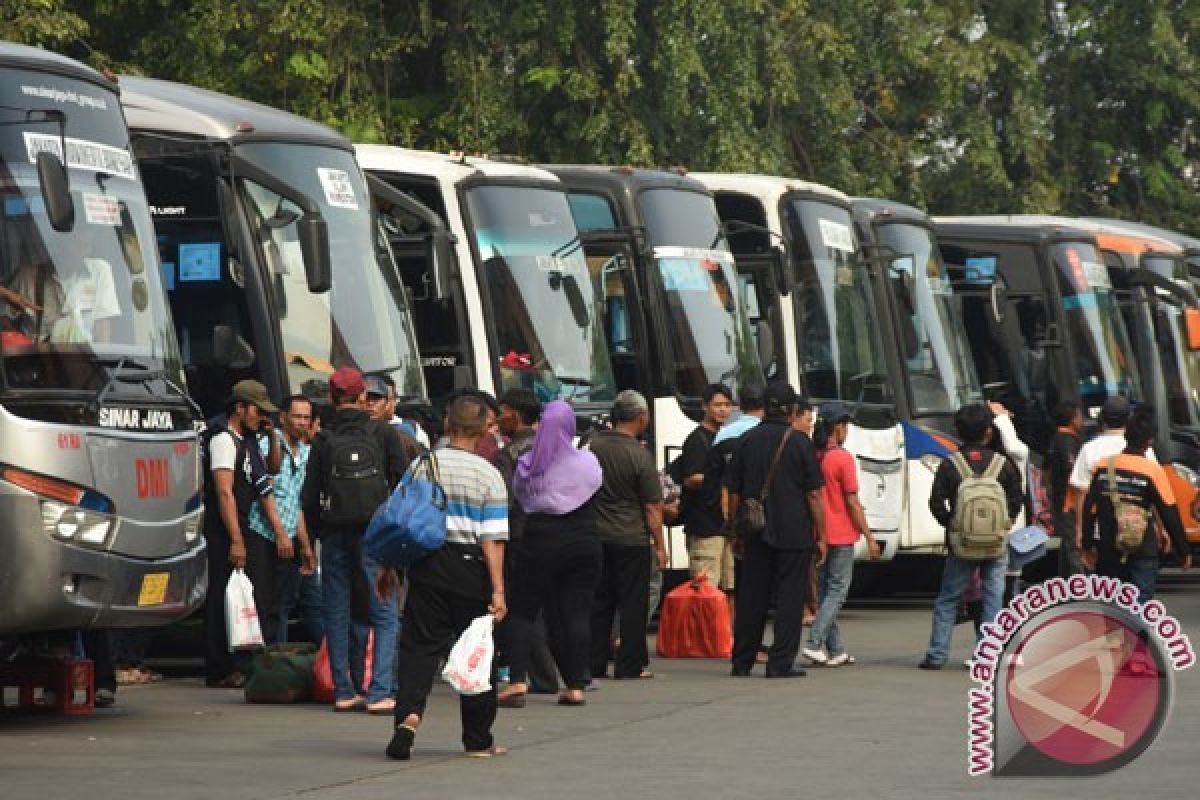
(1115, 412)
(779, 397)
(750, 398)
(835, 412)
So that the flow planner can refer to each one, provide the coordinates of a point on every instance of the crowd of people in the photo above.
(559, 534)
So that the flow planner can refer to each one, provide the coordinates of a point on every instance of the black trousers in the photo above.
(556, 574)
(1070, 561)
(260, 569)
(539, 670)
(763, 568)
(97, 646)
(624, 589)
(433, 620)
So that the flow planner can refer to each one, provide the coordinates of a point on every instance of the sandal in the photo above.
(358, 703)
(491, 752)
(385, 706)
(511, 700)
(568, 700)
(135, 677)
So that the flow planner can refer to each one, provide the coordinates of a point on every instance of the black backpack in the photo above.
(356, 482)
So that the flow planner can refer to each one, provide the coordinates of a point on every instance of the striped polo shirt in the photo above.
(476, 500)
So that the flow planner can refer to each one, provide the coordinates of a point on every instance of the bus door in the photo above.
(611, 265)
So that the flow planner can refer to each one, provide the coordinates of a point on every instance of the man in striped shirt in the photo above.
(456, 584)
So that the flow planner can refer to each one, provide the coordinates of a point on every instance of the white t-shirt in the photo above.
(222, 451)
(71, 304)
(1107, 444)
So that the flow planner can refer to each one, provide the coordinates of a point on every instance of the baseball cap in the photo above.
(347, 382)
(1115, 411)
(779, 397)
(376, 386)
(254, 393)
(833, 413)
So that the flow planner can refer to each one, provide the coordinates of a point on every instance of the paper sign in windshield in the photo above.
(837, 236)
(82, 154)
(339, 190)
(683, 275)
(101, 209)
(1096, 275)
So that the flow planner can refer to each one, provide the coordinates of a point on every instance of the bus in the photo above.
(500, 291)
(673, 316)
(275, 264)
(99, 460)
(1043, 321)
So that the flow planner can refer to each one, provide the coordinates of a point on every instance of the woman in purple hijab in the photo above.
(558, 559)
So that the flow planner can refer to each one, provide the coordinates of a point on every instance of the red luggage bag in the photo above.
(695, 622)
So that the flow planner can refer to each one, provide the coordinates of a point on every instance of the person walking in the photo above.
(454, 585)
(1060, 461)
(629, 507)
(976, 428)
(1129, 491)
(709, 550)
(845, 523)
(559, 558)
(776, 466)
(288, 448)
(352, 467)
(237, 478)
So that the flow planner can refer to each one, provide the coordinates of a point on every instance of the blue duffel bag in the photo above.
(412, 523)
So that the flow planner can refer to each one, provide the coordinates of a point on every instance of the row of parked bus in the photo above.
(217, 239)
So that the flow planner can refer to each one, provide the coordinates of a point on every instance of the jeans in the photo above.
(337, 565)
(301, 592)
(836, 575)
(955, 577)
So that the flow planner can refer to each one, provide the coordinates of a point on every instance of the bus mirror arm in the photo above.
(56, 191)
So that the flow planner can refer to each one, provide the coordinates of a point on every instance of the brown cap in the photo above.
(255, 394)
(347, 382)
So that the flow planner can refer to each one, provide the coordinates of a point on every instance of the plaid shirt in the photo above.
(288, 484)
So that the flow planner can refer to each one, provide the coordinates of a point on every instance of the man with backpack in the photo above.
(352, 467)
(1128, 491)
(976, 495)
(709, 551)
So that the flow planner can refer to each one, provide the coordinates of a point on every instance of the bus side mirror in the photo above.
(56, 191)
(575, 301)
(1191, 321)
(440, 257)
(780, 264)
(314, 246)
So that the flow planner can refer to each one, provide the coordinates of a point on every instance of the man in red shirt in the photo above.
(844, 523)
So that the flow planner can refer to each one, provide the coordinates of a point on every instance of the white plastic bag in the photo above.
(469, 667)
(241, 616)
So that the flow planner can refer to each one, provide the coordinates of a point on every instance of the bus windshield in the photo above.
(358, 322)
(1180, 369)
(837, 325)
(932, 339)
(74, 302)
(549, 328)
(1104, 355)
(710, 335)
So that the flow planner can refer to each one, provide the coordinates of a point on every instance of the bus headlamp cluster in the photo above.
(75, 524)
(1187, 473)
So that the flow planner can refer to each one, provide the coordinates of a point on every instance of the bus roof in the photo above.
(445, 166)
(766, 187)
(169, 107)
(1188, 243)
(873, 207)
(19, 56)
(1121, 239)
(1016, 227)
(634, 178)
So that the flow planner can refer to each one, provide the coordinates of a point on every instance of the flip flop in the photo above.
(353, 704)
(492, 752)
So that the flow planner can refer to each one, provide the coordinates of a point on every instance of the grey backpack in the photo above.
(979, 529)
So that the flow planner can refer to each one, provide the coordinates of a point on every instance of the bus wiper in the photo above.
(118, 371)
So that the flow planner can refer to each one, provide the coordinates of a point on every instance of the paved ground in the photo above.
(881, 727)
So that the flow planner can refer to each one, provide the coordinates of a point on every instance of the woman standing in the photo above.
(558, 563)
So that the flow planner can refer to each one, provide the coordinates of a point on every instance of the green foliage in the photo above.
(962, 106)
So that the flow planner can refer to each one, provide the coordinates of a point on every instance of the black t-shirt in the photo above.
(701, 517)
(630, 484)
(1060, 460)
(789, 523)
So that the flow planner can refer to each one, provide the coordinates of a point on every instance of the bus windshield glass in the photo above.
(709, 332)
(930, 329)
(1180, 368)
(77, 302)
(1104, 355)
(838, 328)
(358, 322)
(548, 326)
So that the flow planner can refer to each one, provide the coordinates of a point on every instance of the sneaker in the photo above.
(840, 659)
(815, 656)
(931, 665)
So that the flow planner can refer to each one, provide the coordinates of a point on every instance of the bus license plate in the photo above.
(154, 589)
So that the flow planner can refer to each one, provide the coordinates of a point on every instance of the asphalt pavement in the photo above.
(880, 727)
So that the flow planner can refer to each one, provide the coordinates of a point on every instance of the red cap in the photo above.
(347, 382)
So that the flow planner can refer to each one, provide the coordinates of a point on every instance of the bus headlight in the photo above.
(931, 462)
(1187, 473)
(74, 524)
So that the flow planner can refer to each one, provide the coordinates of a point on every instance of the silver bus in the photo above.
(100, 494)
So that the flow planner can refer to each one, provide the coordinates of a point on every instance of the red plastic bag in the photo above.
(323, 691)
(695, 622)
